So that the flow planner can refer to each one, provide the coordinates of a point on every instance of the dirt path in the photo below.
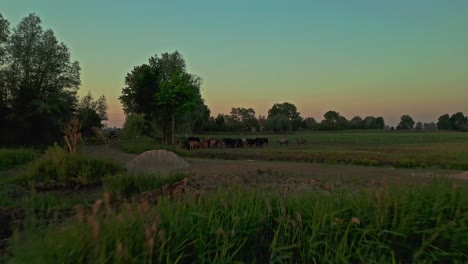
(220, 172)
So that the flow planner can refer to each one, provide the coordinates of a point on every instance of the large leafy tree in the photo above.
(406, 123)
(458, 121)
(288, 110)
(242, 119)
(166, 94)
(444, 122)
(38, 83)
(91, 113)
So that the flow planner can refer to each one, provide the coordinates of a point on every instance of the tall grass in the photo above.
(13, 157)
(59, 166)
(386, 225)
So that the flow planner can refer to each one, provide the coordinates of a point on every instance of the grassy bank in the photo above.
(10, 158)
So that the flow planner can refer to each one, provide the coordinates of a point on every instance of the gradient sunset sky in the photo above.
(381, 58)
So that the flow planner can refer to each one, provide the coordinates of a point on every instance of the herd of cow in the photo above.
(197, 143)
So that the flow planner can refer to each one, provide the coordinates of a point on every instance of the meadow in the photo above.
(446, 150)
(64, 208)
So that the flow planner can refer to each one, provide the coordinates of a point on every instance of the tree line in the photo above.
(38, 86)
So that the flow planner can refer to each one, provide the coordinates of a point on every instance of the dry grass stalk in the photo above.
(72, 135)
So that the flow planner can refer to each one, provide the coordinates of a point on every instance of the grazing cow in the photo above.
(252, 142)
(213, 143)
(197, 139)
(301, 141)
(261, 141)
(194, 145)
(282, 141)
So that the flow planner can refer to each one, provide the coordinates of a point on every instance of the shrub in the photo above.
(13, 157)
(58, 166)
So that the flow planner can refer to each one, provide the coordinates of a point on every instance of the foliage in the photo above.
(38, 83)
(444, 122)
(458, 121)
(381, 225)
(290, 111)
(406, 123)
(419, 126)
(241, 119)
(126, 185)
(72, 135)
(278, 123)
(60, 167)
(13, 157)
(333, 121)
(135, 126)
(91, 113)
(165, 93)
(310, 123)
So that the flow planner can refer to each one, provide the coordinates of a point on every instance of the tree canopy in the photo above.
(406, 123)
(288, 110)
(38, 83)
(165, 93)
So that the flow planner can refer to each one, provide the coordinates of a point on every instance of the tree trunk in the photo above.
(173, 128)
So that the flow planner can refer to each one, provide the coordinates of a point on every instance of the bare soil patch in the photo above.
(161, 161)
(210, 174)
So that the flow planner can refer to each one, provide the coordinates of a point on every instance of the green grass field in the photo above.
(123, 218)
(446, 150)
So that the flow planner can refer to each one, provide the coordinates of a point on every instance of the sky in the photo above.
(357, 57)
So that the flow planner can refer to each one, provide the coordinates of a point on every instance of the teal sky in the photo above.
(375, 57)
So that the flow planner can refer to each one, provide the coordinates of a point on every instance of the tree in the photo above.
(91, 113)
(220, 122)
(406, 123)
(242, 119)
(38, 83)
(310, 123)
(4, 33)
(288, 110)
(278, 123)
(333, 121)
(430, 126)
(458, 121)
(135, 126)
(356, 122)
(419, 126)
(166, 94)
(444, 122)
(379, 123)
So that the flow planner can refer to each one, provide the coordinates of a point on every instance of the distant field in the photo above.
(448, 150)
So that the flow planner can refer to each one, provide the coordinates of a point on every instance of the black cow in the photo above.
(261, 141)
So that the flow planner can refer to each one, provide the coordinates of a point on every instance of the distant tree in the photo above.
(135, 126)
(444, 122)
(458, 121)
(91, 113)
(333, 121)
(379, 123)
(406, 123)
(430, 126)
(38, 83)
(261, 121)
(310, 123)
(418, 126)
(220, 122)
(356, 122)
(242, 119)
(278, 123)
(290, 111)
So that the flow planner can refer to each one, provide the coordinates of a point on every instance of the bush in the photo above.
(125, 185)
(13, 157)
(58, 166)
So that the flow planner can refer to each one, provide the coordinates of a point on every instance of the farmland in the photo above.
(279, 200)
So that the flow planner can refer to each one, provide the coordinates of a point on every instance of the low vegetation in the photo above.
(384, 225)
(125, 185)
(58, 167)
(13, 157)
